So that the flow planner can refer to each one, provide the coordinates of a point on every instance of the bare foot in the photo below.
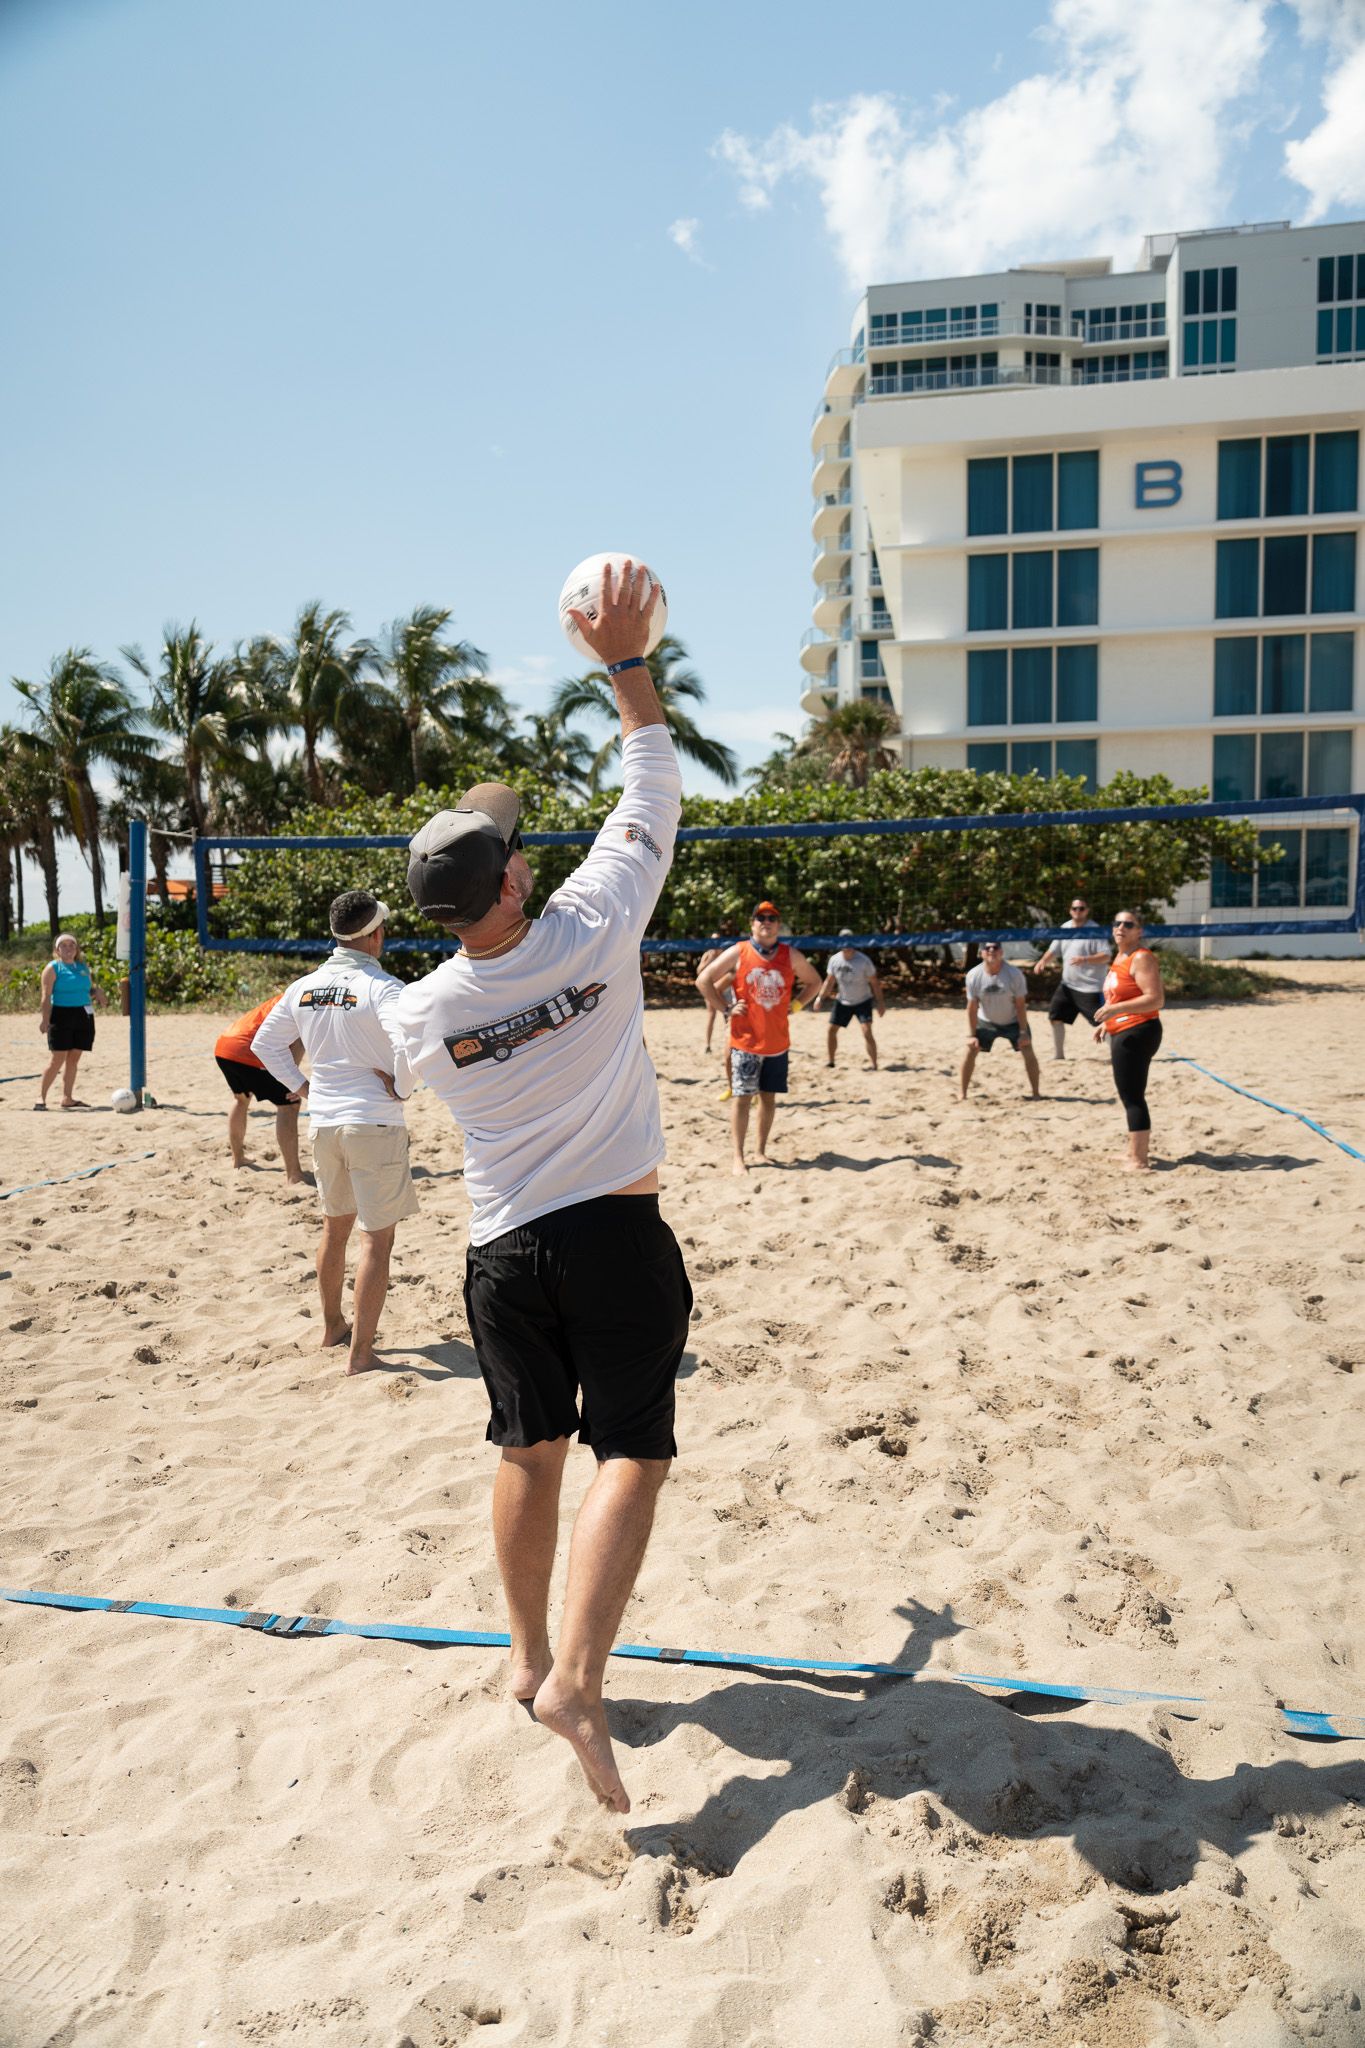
(335, 1333)
(528, 1671)
(295, 1180)
(241, 1162)
(764, 1160)
(582, 1721)
(1135, 1166)
(73, 1104)
(357, 1363)
(737, 1165)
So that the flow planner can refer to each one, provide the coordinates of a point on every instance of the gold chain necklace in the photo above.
(490, 952)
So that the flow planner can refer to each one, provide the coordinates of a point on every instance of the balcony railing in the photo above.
(919, 384)
(968, 330)
(813, 637)
(843, 587)
(1120, 330)
(829, 453)
(843, 359)
(833, 544)
(843, 497)
(878, 620)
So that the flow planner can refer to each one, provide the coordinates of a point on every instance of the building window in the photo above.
(876, 693)
(1142, 322)
(987, 686)
(1043, 365)
(1033, 589)
(1041, 319)
(1033, 685)
(1036, 757)
(1273, 765)
(1312, 872)
(1271, 578)
(1331, 672)
(1043, 492)
(1208, 335)
(1334, 460)
(1341, 306)
(870, 661)
(1125, 368)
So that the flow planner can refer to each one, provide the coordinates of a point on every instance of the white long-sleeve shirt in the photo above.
(539, 1054)
(337, 1011)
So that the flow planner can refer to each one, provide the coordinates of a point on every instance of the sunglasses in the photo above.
(1125, 924)
(766, 917)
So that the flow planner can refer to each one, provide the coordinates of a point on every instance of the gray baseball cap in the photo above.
(457, 861)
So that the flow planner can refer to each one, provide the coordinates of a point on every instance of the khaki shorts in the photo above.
(362, 1171)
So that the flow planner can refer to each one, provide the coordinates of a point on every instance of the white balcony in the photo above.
(845, 373)
(1119, 333)
(878, 620)
(817, 698)
(831, 512)
(818, 651)
(832, 601)
(832, 552)
(831, 466)
(950, 333)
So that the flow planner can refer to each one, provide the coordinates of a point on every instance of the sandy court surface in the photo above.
(959, 1395)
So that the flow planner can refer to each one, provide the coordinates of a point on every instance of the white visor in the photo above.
(381, 916)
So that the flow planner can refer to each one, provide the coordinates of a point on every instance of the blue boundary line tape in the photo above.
(1182, 1059)
(5, 1078)
(1297, 1721)
(84, 1173)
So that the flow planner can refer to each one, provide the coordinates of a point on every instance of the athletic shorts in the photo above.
(579, 1321)
(1070, 1003)
(71, 1028)
(245, 1080)
(845, 1012)
(986, 1035)
(753, 1074)
(362, 1171)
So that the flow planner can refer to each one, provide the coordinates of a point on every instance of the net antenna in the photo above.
(1346, 812)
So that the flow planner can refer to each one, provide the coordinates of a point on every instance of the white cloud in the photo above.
(532, 675)
(1130, 130)
(683, 235)
(1329, 162)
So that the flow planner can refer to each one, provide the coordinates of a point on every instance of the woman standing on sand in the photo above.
(67, 1016)
(1133, 994)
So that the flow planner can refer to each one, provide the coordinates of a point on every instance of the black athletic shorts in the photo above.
(1070, 1003)
(245, 1080)
(845, 1012)
(71, 1028)
(579, 1321)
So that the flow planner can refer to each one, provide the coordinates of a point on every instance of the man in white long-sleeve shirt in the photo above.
(577, 1296)
(355, 1106)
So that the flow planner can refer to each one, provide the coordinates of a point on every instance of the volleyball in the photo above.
(582, 592)
(123, 1100)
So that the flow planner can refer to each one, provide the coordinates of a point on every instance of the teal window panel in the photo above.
(1279, 883)
(987, 593)
(1234, 767)
(1334, 572)
(988, 495)
(1284, 588)
(1031, 494)
(987, 686)
(1239, 479)
(1331, 672)
(1282, 673)
(1281, 764)
(1078, 488)
(1078, 685)
(1079, 757)
(1078, 587)
(1231, 888)
(1238, 579)
(1286, 476)
(988, 757)
(1327, 868)
(1032, 595)
(1234, 678)
(1336, 466)
(1031, 757)
(1329, 764)
(1031, 686)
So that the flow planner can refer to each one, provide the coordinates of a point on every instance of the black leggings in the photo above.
(1132, 1053)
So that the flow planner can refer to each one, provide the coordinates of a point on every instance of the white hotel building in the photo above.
(1080, 521)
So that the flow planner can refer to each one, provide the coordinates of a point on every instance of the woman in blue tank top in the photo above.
(67, 1017)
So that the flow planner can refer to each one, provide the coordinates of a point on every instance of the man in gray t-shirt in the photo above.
(1085, 962)
(852, 979)
(997, 1010)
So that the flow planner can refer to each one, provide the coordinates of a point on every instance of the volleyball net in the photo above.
(1294, 870)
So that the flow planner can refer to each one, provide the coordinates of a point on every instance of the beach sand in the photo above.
(960, 1395)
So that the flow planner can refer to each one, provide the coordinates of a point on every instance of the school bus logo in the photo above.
(336, 998)
(505, 1035)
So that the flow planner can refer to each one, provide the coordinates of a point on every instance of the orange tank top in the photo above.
(235, 1042)
(765, 989)
(1121, 986)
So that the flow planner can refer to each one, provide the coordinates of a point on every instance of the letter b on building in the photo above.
(1157, 483)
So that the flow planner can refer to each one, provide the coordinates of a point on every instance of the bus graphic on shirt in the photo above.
(338, 997)
(505, 1035)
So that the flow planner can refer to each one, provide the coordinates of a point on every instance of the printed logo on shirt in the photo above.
(768, 987)
(638, 832)
(505, 1035)
(339, 997)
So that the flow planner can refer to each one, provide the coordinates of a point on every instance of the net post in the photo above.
(137, 957)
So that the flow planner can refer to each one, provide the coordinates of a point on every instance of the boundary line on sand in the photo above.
(1294, 1720)
(1182, 1059)
(84, 1173)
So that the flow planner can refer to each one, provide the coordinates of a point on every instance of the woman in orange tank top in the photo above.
(1133, 995)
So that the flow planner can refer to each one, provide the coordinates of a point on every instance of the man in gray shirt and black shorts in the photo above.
(1085, 962)
(852, 979)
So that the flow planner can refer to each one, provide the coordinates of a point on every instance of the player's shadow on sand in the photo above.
(833, 1162)
(1236, 1162)
(1000, 1766)
(452, 1360)
(432, 1173)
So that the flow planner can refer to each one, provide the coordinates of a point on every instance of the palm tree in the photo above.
(851, 740)
(193, 702)
(675, 685)
(556, 753)
(32, 813)
(321, 675)
(434, 684)
(82, 718)
(154, 791)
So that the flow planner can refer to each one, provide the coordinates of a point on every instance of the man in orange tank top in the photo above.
(249, 1082)
(766, 971)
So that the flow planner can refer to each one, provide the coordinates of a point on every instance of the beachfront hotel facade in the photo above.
(1079, 521)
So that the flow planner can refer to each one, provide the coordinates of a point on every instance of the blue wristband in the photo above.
(615, 668)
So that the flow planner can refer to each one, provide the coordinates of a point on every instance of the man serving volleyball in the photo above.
(575, 1289)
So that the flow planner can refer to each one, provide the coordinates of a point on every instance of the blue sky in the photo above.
(422, 301)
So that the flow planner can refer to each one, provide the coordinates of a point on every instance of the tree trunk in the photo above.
(90, 815)
(413, 735)
(47, 861)
(19, 886)
(194, 792)
(161, 847)
(311, 773)
(6, 897)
